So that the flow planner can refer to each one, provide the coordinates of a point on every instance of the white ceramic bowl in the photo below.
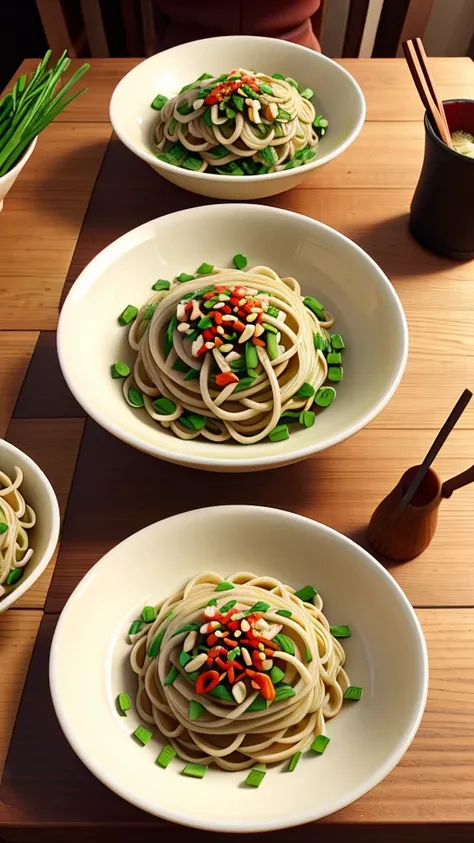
(39, 494)
(327, 265)
(386, 655)
(7, 181)
(337, 96)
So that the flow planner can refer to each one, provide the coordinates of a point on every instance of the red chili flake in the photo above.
(258, 341)
(208, 296)
(241, 676)
(227, 309)
(188, 307)
(231, 675)
(221, 664)
(202, 351)
(239, 326)
(233, 625)
(221, 288)
(217, 316)
(230, 643)
(211, 639)
(208, 335)
(225, 378)
(250, 672)
(259, 318)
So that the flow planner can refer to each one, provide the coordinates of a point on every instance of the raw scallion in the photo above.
(256, 775)
(319, 744)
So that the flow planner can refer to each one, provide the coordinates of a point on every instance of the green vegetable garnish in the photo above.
(279, 433)
(240, 261)
(161, 284)
(164, 405)
(123, 704)
(226, 607)
(292, 82)
(197, 771)
(259, 606)
(340, 631)
(335, 373)
(172, 676)
(306, 593)
(135, 396)
(205, 269)
(184, 276)
(159, 102)
(148, 614)
(337, 342)
(314, 305)
(325, 396)
(293, 761)
(3, 527)
(222, 692)
(276, 674)
(188, 627)
(166, 756)
(258, 704)
(305, 391)
(128, 315)
(319, 744)
(143, 735)
(307, 93)
(285, 613)
(285, 644)
(135, 626)
(354, 692)
(224, 586)
(244, 383)
(155, 645)
(195, 710)
(256, 775)
(307, 418)
(120, 369)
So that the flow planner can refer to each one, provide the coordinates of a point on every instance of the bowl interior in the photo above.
(327, 265)
(386, 655)
(337, 95)
(39, 494)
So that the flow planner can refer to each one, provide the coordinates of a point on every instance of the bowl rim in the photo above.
(31, 577)
(391, 761)
(85, 281)
(155, 162)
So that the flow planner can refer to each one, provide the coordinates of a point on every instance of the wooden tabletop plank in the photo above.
(44, 393)
(386, 83)
(334, 487)
(41, 220)
(16, 349)
(17, 636)
(434, 783)
(54, 445)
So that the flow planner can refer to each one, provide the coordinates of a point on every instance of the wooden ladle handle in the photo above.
(456, 482)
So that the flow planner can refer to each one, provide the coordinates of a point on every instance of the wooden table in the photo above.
(82, 189)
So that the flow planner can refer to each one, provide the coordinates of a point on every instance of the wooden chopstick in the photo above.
(450, 486)
(422, 57)
(424, 85)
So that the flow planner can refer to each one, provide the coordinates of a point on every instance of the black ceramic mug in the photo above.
(442, 208)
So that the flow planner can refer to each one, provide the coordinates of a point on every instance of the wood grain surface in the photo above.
(79, 192)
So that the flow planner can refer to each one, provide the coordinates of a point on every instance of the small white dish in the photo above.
(327, 265)
(337, 96)
(43, 537)
(386, 655)
(7, 181)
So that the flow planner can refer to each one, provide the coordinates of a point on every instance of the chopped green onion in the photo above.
(169, 334)
(269, 155)
(3, 527)
(340, 631)
(143, 734)
(224, 586)
(307, 418)
(207, 118)
(180, 366)
(273, 311)
(276, 674)
(205, 269)
(307, 93)
(184, 276)
(259, 606)
(283, 692)
(272, 345)
(172, 676)
(128, 315)
(319, 343)
(354, 692)
(308, 656)
(226, 607)
(212, 602)
(218, 151)
(172, 126)
(256, 775)
(192, 162)
(149, 311)
(283, 115)
(193, 374)
(293, 82)
(197, 771)
(258, 704)
(290, 165)
(279, 433)
(325, 396)
(185, 108)
(135, 396)
(232, 654)
(293, 761)
(155, 645)
(251, 356)
(285, 644)
(204, 323)
(222, 693)
(240, 261)
(148, 614)
(305, 391)
(135, 626)
(164, 405)
(335, 373)
(337, 342)
(244, 383)
(334, 358)
(161, 284)
(319, 744)
(270, 328)
(120, 369)
(230, 113)
(278, 130)
(184, 658)
(306, 593)
(123, 704)
(238, 102)
(313, 304)
(266, 88)
(193, 421)
(159, 102)
(285, 613)
(278, 76)
(195, 710)
(188, 627)
(250, 92)
(166, 756)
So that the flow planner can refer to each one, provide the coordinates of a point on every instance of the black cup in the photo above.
(442, 208)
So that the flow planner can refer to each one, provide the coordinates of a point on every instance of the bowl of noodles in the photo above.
(232, 338)
(246, 686)
(237, 117)
(29, 523)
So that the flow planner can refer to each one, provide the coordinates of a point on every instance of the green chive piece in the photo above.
(149, 311)
(290, 416)
(285, 644)
(319, 343)
(278, 76)
(325, 396)
(3, 527)
(227, 606)
(193, 374)
(192, 162)
(149, 614)
(212, 602)
(244, 383)
(307, 93)
(306, 593)
(256, 775)
(185, 108)
(143, 735)
(128, 315)
(161, 284)
(135, 626)
(283, 692)
(188, 627)
(250, 92)
(184, 276)
(337, 342)
(184, 658)
(222, 692)
(169, 614)
(207, 118)
(269, 155)
(238, 102)
(292, 82)
(232, 654)
(155, 645)
(279, 433)
(123, 704)
(164, 405)
(270, 328)
(305, 391)
(172, 127)
(335, 358)
(196, 421)
(238, 366)
(354, 692)
(120, 369)
(340, 631)
(172, 676)
(230, 113)
(197, 771)
(308, 657)
(208, 305)
(259, 606)
(258, 704)
(278, 130)
(272, 346)
(293, 761)
(266, 88)
(251, 357)
(135, 396)
(335, 373)
(290, 165)
(166, 756)
(169, 334)
(313, 304)
(180, 365)
(276, 674)
(273, 311)
(240, 261)
(204, 323)
(319, 744)
(159, 102)
(218, 151)
(283, 115)
(285, 613)
(224, 586)
(307, 418)
(195, 710)
(205, 269)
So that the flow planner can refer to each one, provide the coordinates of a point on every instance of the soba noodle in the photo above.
(229, 354)
(239, 123)
(16, 517)
(251, 719)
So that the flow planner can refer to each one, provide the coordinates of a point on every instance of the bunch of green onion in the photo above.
(32, 105)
